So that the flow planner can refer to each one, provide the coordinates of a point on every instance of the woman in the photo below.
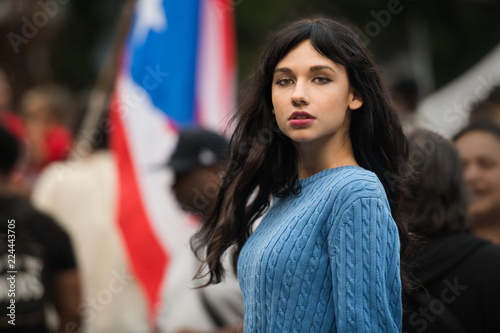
(459, 272)
(315, 130)
(479, 148)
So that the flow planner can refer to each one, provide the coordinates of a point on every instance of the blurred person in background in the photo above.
(405, 97)
(13, 123)
(198, 160)
(8, 118)
(46, 110)
(41, 254)
(81, 195)
(479, 148)
(488, 109)
(459, 272)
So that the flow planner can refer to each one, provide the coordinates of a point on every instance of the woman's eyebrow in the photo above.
(284, 70)
(312, 69)
(320, 67)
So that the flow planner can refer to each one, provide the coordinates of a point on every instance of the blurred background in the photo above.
(58, 61)
(431, 41)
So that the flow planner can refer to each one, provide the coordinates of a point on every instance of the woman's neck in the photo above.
(324, 154)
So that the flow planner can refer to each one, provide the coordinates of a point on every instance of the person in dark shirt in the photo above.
(37, 264)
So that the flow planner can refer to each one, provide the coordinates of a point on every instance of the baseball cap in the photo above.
(198, 147)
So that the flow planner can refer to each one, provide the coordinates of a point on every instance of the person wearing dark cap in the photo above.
(197, 162)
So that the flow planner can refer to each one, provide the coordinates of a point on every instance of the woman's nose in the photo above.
(300, 96)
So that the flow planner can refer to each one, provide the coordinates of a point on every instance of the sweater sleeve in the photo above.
(364, 256)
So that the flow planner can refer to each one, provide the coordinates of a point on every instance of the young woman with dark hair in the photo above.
(316, 132)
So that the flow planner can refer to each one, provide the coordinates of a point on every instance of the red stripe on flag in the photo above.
(146, 255)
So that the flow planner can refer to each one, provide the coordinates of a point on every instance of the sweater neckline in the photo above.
(326, 172)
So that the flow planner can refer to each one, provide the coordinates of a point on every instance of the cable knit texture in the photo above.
(325, 260)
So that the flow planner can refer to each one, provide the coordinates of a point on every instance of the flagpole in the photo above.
(99, 96)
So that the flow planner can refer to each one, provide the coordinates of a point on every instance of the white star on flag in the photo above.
(150, 16)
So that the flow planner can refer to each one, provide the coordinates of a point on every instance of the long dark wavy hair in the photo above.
(440, 194)
(263, 161)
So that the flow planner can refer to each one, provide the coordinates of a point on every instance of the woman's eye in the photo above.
(283, 82)
(322, 80)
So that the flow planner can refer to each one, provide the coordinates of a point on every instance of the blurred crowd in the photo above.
(69, 253)
(72, 269)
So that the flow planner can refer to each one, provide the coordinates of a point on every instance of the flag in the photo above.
(177, 69)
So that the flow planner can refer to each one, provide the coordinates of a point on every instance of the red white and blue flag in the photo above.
(177, 69)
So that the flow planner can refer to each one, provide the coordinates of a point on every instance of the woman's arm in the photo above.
(364, 254)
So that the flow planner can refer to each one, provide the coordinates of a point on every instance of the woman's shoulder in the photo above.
(343, 187)
(354, 183)
(341, 175)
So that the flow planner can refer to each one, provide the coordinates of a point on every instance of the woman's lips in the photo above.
(300, 119)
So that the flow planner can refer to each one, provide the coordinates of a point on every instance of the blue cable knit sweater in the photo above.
(325, 260)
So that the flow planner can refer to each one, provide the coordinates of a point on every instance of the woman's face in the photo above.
(480, 154)
(312, 97)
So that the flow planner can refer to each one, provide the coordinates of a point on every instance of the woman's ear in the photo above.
(356, 100)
